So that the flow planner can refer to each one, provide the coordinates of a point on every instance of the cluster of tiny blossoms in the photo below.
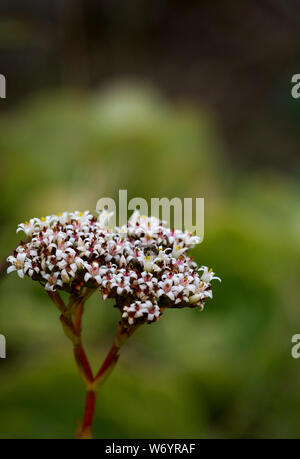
(143, 265)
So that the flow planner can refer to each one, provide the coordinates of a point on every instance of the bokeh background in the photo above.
(188, 99)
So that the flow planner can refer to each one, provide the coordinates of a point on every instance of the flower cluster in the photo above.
(143, 265)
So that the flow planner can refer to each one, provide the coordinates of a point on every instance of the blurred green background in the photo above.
(223, 372)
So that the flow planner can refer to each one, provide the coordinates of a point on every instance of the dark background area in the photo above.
(236, 58)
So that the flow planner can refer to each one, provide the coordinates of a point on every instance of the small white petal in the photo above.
(20, 273)
(10, 269)
(87, 277)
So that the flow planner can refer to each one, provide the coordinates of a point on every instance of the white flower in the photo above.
(197, 298)
(104, 218)
(208, 274)
(148, 263)
(147, 280)
(65, 276)
(166, 288)
(27, 227)
(143, 265)
(52, 281)
(93, 272)
(139, 309)
(123, 286)
(19, 264)
(178, 250)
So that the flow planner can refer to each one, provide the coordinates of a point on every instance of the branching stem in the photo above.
(71, 319)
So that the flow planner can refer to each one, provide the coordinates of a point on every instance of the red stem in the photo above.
(90, 404)
(82, 362)
(111, 357)
(71, 322)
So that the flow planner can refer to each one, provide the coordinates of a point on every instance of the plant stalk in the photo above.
(71, 319)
